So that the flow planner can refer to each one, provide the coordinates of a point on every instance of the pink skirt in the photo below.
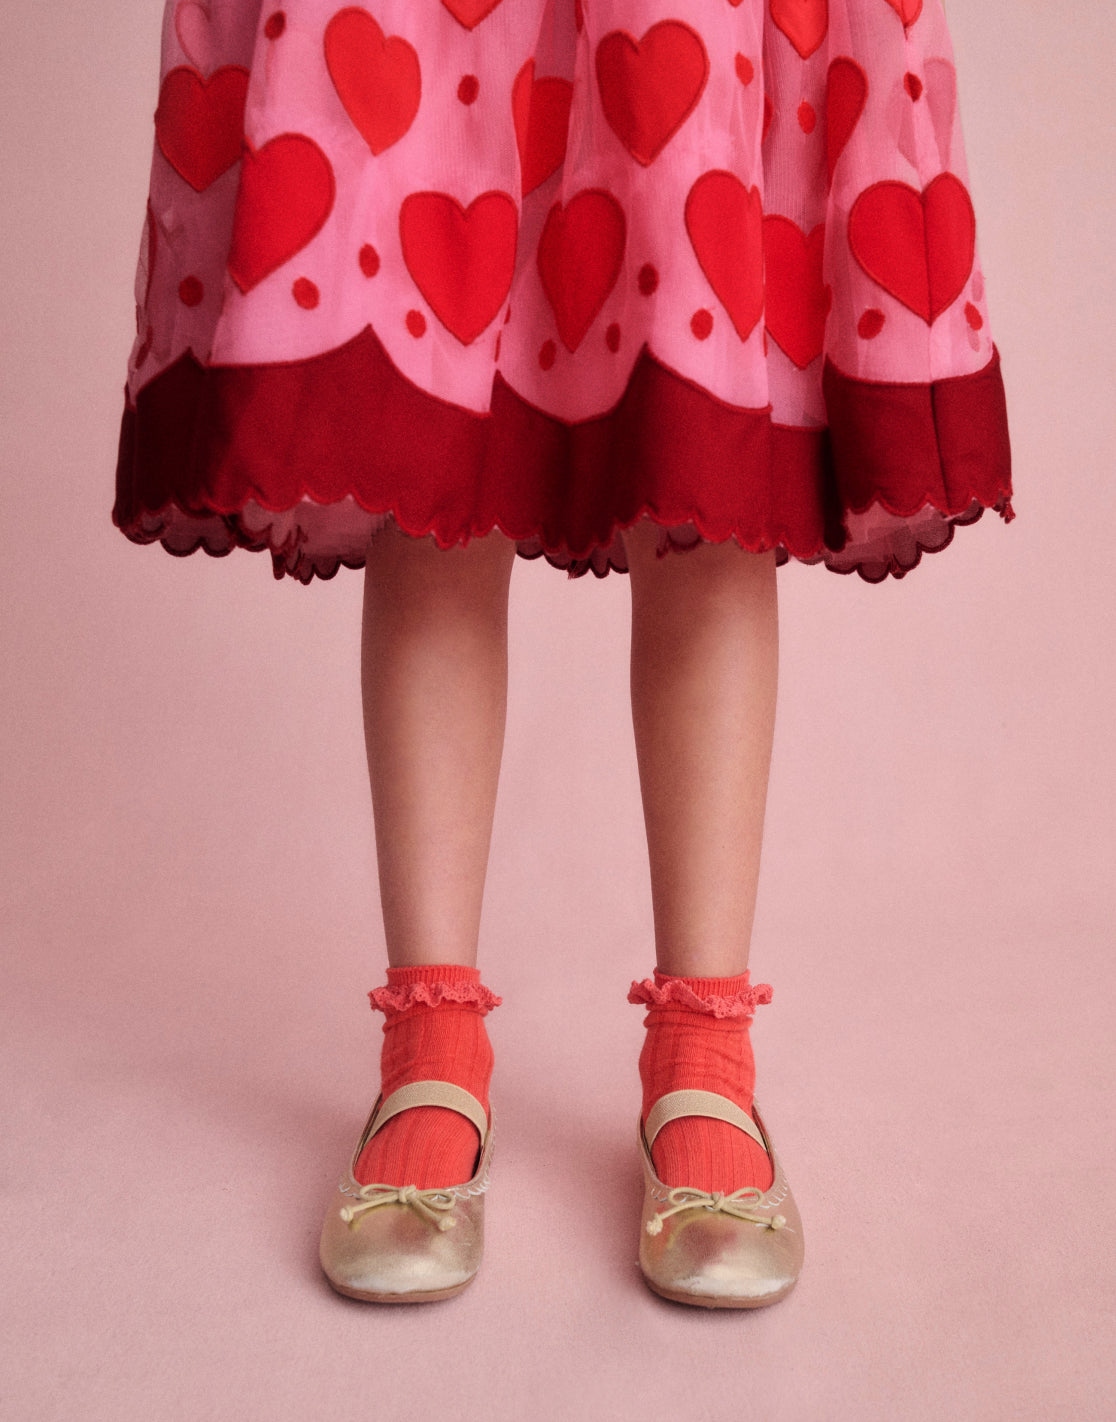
(553, 266)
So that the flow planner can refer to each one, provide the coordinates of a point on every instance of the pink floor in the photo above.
(190, 920)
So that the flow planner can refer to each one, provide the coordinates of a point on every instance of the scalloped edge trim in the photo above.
(676, 994)
(400, 999)
(170, 465)
(324, 569)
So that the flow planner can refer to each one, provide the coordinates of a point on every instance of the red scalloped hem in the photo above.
(896, 470)
(599, 561)
(399, 999)
(675, 993)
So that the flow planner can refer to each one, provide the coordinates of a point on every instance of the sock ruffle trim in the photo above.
(674, 992)
(436, 994)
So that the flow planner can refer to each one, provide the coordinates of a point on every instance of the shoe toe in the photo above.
(707, 1258)
(392, 1253)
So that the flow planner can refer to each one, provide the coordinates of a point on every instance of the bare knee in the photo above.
(704, 570)
(409, 570)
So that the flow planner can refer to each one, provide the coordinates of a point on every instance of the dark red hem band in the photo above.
(203, 443)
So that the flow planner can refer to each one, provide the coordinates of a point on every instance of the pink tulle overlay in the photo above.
(675, 993)
(395, 1000)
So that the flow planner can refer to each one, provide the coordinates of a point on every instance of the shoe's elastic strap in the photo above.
(432, 1093)
(698, 1103)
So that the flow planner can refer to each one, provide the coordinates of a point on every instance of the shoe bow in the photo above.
(432, 1205)
(737, 1205)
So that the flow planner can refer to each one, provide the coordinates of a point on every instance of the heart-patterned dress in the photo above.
(552, 266)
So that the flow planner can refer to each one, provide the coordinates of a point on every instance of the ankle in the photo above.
(698, 1039)
(734, 997)
(434, 1031)
(434, 1027)
(430, 985)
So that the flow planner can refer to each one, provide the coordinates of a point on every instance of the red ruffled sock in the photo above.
(434, 1032)
(697, 1039)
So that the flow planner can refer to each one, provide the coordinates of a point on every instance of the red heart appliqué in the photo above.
(917, 246)
(581, 251)
(199, 123)
(845, 94)
(804, 22)
(650, 87)
(907, 10)
(725, 223)
(541, 111)
(470, 12)
(797, 299)
(462, 259)
(285, 195)
(377, 79)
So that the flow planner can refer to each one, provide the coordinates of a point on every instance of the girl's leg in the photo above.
(704, 664)
(434, 676)
(704, 661)
(434, 670)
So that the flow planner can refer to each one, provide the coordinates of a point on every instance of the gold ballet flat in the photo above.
(399, 1244)
(742, 1250)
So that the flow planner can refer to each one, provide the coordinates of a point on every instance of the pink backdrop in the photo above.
(190, 916)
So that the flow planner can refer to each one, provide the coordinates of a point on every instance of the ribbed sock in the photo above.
(434, 1032)
(697, 1039)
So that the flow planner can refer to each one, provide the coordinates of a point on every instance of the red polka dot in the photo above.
(547, 353)
(468, 89)
(305, 293)
(745, 69)
(913, 84)
(768, 115)
(648, 279)
(973, 316)
(416, 324)
(870, 324)
(190, 291)
(807, 118)
(701, 323)
(612, 338)
(369, 260)
(276, 24)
